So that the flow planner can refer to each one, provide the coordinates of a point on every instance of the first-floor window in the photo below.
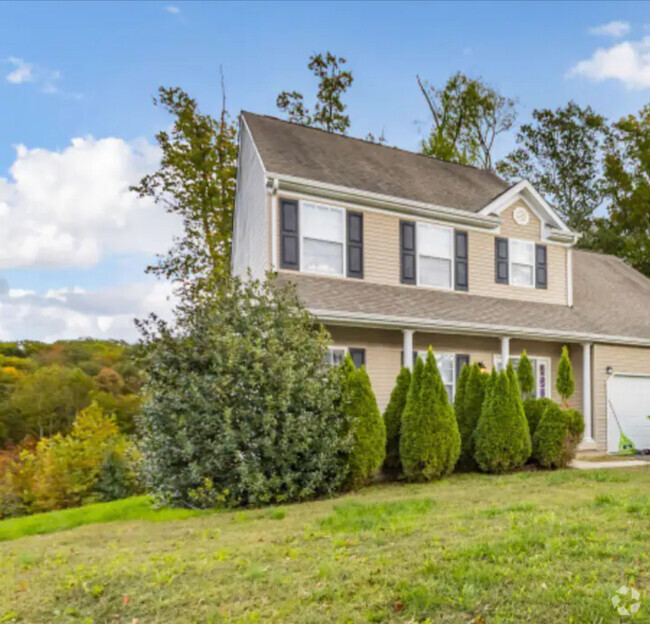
(541, 371)
(446, 363)
(335, 355)
(435, 252)
(323, 234)
(522, 262)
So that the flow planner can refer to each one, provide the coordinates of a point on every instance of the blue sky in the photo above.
(88, 71)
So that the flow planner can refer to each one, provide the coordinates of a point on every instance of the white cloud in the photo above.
(627, 62)
(174, 10)
(22, 72)
(73, 313)
(613, 29)
(73, 208)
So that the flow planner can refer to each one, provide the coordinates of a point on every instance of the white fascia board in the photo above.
(333, 191)
(466, 327)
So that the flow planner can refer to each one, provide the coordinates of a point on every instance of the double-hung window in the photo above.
(323, 239)
(522, 262)
(541, 373)
(435, 248)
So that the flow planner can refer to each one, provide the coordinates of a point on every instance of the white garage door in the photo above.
(630, 398)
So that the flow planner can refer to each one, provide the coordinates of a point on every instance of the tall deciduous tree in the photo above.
(560, 152)
(196, 180)
(468, 116)
(329, 110)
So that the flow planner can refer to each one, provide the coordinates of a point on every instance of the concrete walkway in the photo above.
(580, 464)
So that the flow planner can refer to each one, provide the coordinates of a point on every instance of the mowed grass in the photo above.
(530, 547)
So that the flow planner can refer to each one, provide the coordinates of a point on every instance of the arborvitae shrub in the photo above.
(565, 384)
(393, 418)
(459, 395)
(430, 443)
(469, 415)
(502, 441)
(367, 428)
(525, 375)
(515, 393)
(557, 437)
(489, 387)
(534, 410)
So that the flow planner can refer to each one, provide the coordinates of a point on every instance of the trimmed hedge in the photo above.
(468, 416)
(430, 441)
(557, 437)
(502, 441)
(534, 410)
(393, 418)
(366, 425)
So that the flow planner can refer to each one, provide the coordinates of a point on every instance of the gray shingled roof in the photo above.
(292, 149)
(610, 299)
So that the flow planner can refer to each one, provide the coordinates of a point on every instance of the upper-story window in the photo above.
(435, 246)
(323, 239)
(522, 262)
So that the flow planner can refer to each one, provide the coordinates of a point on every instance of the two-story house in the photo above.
(395, 252)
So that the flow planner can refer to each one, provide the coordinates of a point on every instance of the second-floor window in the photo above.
(323, 239)
(522, 262)
(435, 246)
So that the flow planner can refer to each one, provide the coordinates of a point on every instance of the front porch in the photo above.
(386, 349)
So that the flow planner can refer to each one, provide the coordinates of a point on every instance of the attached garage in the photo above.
(628, 407)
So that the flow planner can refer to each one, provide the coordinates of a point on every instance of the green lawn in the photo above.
(544, 548)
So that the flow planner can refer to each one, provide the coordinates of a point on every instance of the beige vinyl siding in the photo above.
(382, 257)
(622, 359)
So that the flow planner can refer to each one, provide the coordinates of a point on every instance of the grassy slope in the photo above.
(531, 547)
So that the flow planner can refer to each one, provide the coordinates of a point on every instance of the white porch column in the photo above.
(505, 352)
(408, 348)
(586, 391)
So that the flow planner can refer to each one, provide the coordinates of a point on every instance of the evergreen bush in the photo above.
(502, 441)
(565, 384)
(366, 426)
(393, 418)
(469, 415)
(534, 410)
(430, 443)
(525, 375)
(557, 437)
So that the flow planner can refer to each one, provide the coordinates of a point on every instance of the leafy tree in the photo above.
(393, 417)
(329, 110)
(502, 441)
(244, 408)
(471, 411)
(366, 425)
(525, 374)
(196, 181)
(468, 116)
(430, 443)
(565, 384)
(560, 153)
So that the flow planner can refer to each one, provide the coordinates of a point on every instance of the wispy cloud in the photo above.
(22, 71)
(612, 29)
(627, 61)
(174, 10)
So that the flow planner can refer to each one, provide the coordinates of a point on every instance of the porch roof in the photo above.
(611, 304)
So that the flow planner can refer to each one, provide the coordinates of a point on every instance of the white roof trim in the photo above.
(538, 203)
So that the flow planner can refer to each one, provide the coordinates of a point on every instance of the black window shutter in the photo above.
(408, 251)
(355, 244)
(358, 356)
(461, 360)
(501, 260)
(541, 270)
(289, 238)
(461, 260)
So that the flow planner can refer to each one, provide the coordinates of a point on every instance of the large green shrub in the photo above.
(366, 426)
(469, 415)
(565, 384)
(393, 418)
(244, 408)
(534, 410)
(430, 443)
(502, 441)
(557, 437)
(525, 375)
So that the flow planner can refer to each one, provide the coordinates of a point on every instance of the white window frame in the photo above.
(423, 356)
(331, 350)
(452, 276)
(510, 263)
(537, 358)
(344, 264)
